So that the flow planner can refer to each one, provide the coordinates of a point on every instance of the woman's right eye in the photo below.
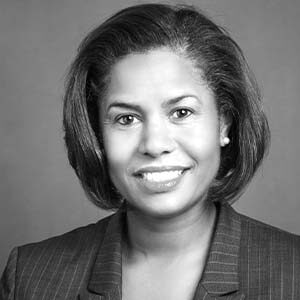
(127, 120)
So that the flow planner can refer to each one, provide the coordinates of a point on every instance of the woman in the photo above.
(163, 121)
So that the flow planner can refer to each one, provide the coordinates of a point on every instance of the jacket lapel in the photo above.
(220, 279)
(106, 276)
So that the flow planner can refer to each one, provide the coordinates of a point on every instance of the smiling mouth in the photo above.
(160, 176)
(160, 180)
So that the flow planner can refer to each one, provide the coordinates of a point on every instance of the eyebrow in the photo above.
(170, 102)
(173, 101)
(120, 104)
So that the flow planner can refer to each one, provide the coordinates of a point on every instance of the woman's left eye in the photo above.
(181, 113)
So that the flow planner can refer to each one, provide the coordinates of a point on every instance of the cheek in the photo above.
(119, 148)
(115, 153)
(202, 141)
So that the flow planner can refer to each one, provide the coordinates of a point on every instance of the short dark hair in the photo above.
(189, 32)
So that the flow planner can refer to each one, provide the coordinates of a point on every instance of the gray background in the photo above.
(40, 195)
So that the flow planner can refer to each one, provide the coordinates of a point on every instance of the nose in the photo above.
(156, 140)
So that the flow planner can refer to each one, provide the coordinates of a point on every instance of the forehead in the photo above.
(161, 68)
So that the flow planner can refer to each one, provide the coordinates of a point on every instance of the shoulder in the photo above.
(38, 267)
(68, 243)
(263, 235)
(256, 233)
(269, 260)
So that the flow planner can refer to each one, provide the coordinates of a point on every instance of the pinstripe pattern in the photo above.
(247, 260)
(7, 284)
(106, 276)
(270, 260)
(220, 278)
(57, 268)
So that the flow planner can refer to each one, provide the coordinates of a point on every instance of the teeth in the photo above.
(161, 176)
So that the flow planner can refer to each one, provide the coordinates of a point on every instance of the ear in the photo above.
(225, 124)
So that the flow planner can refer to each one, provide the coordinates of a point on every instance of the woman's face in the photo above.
(161, 133)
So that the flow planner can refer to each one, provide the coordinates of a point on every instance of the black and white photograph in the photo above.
(149, 150)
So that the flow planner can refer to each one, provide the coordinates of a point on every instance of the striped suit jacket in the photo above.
(247, 260)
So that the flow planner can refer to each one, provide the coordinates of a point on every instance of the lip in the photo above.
(159, 186)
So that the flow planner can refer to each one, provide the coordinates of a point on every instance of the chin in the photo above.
(164, 206)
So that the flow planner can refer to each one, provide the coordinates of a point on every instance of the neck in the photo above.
(150, 236)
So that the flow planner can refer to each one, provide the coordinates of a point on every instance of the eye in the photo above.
(181, 113)
(126, 120)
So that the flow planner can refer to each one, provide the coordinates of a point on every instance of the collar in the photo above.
(221, 273)
(220, 276)
(106, 276)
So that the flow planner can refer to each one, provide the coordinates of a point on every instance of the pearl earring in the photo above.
(226, 141)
